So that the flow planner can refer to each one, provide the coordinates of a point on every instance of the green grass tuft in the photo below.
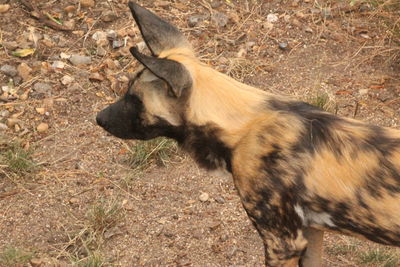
(14, 257)
(104, 215)
(380, 257)
(158, 150)
(16, 160)
(322, 101)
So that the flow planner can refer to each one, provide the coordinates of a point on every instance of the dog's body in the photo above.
(299, 171)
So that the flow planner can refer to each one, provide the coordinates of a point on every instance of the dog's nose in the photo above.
(100, 120)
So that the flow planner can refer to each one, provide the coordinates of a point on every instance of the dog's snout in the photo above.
(100, 120)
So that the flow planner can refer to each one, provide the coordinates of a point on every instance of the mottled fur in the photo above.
(299, 170)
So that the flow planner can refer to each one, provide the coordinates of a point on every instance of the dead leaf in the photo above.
(23, 52)
(344, 92)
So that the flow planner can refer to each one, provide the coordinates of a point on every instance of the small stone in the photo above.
(219, 200)
(12, 45)
(66, 79)
(4, 8)
(141, 46)
(111, 34)
(101, 51)
(272, 18)
(24, 96)
(42, 87)
(35, 262)
(64, 56)
(3, 127)
(80, 60)
(73, 201)
(87, 3)
(4, 113)
(99, 35)
(215, 4)
(11, 122)
(296, 22)
(41, 111)
(219, 19)
(195, 20)
(58, 65)
(117, 44)
(363, 91)
(70, 9)
(162, 3)
(9, 70)
(5, 88)
(204, 197)
(42, 127)
(96, 77)
(283, 46)
(108, 16)
(24, 71)
(308, 29)
(70, 24)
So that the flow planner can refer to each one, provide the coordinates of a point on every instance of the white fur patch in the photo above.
(310, 218)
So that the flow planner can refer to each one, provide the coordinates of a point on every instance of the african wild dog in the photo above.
(299, 171)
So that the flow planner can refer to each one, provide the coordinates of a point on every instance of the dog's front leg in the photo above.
(313, 255)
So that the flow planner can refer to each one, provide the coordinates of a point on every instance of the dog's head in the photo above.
(155, 101)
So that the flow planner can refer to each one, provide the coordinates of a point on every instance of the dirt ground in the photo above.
(86, 201)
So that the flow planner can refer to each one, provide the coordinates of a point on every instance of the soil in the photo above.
(346, 52)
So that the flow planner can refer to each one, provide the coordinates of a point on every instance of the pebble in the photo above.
(96, 77)
(215, 4)
(5, 89)
(11, 122)
(117, 44)
(308, 29)
(204, 197)
(108, 16)
(4, 8)
(24, 71)
(9, 70)
(219, 19)
(219, 200)
(363, 91)
(66, 79)
(64, 56)
(87, 3)
(42, 87)
(111, 34)
(195, 20)
(283, 46)
(99, 35)
(272, 18)
(42, 127)
(35, 262)
(3, 127)
(4, 113)
(58, 65)
(70, 9)
(326, 13)
(80, 60)
(41, 111)
(101, 51)
(12, 45)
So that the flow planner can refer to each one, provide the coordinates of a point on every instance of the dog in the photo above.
(299, 171)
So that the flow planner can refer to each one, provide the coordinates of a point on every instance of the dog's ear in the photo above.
(158, 34)
(174, 73)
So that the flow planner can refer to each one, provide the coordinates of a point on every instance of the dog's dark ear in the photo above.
(173, 72)
(158, 34)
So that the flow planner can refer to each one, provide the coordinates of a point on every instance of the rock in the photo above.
(111, 34)
(204, 197)
(108, 16)
(283, 46)
(141, 46)
(3, 127)
(11, 122)
(308, 29)
(87, 3)
(80, 60)
(96, 77)
(70, 24)
(70, 9)
(363, 91)
(4, 8)
(117, 44)
(64, 56)
(162, 3)
(58, 65)
(24, 71)
(66, 79)
(194, 20)
(9, 70)
(99, 35)
(42, 88)
(5, 89)
(42, 127)
(219, 200)
(101, 51)
(12, 45)
(4, 113)
(219, 19)
(35, 262)
(272, 18)
(73, 201)
(41, 111)
(296, 22)
(215, 4)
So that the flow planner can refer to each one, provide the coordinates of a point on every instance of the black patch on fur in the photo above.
(317, 125)
(204, 144)
(379, 141)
